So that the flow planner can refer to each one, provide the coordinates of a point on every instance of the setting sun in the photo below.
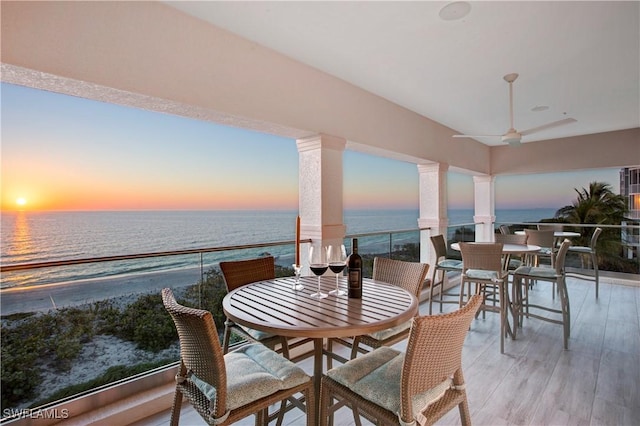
(21, 201)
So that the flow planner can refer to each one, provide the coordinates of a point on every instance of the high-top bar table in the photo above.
(273, 306)
(509, 249)
(558, 236)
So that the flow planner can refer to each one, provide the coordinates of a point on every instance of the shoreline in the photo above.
(42, 298)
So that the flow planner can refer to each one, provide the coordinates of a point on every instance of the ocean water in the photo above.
(28, 237)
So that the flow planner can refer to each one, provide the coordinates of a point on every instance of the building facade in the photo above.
(630, 188)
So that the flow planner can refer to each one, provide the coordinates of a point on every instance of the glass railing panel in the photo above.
(401, 245)
(70, 329)
(459, 233)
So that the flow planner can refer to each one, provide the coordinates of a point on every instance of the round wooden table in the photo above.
(273, 306)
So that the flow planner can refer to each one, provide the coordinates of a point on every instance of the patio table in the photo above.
(558, 236)
(273, 306)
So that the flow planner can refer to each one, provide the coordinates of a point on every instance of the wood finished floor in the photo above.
(536, 382)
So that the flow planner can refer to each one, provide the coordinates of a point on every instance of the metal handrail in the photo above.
(69, 262)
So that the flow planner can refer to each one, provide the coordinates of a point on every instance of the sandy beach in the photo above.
(61, 295)
(103, 351)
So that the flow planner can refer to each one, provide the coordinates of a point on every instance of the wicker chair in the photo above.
(547, 242)
(420, 385)
(550, 227)
(505, 229)
(483, 267)
(259, 376)
(510, 262)
(407, 275)
(590, 254)
(443, 265)
(242, 272)
(521, 305)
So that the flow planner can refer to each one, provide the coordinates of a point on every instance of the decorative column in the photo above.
(433, 207)
(320, 190)
(484, 203)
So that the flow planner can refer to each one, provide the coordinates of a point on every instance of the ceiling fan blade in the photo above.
(548, 126)
(477, 136)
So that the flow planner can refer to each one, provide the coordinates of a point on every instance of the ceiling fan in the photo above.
(512, 136)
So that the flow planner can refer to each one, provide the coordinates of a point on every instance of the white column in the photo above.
(320, 190)
(433, 207)
(484, 203)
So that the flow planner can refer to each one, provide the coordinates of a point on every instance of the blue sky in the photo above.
(65, 153)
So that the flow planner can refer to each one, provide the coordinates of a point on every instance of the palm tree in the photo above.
(598, 205)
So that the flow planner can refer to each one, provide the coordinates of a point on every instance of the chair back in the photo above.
(407, 275)
(237, 273)
(505, 229)
(594, 239)
(560, 257)
(434, 352)
(200, 351)
(439, 246)
(511, 238)
(484, 256)
(540, 238)
(550, 227)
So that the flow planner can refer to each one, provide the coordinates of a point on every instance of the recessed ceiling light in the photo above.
(539, 108)
(454, 11)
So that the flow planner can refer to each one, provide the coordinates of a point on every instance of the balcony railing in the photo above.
(77, 326)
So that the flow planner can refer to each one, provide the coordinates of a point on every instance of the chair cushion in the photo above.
(514, 263)
(256, 334)
(536, 271)
(255, 371)
(376, 377)
(481, 274)
(450, 263)
(389, 332)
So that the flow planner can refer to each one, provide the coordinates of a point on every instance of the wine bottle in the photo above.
(355, 271)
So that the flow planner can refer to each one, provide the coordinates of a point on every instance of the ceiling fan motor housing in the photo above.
(511, 137)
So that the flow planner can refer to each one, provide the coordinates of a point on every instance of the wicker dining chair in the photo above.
(482, 266)
(224, 388)
(237, 273)
(422, 384)
(505, 229)
(556, 276)
(511, 262)
(442, 266)
(589, 252)
(547, 242)
(550, 227)
(408, 275)
(555, 227)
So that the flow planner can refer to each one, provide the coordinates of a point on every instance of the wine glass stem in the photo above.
(337, 282)
(319, 285)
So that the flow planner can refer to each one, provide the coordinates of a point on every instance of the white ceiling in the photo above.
(581, 59)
